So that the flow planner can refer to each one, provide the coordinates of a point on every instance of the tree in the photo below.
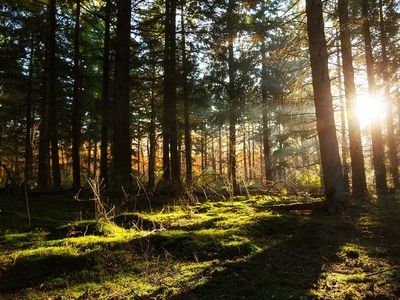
(28, 170)
(356, 151)
(378, 153)
(330, 160)
(76, 118)
(171, 163)
(265, 117)
(122, 137)
(186, 106)
(391, 138)
(42, 178)
(233, 97)
(53, 112)
(105, 95)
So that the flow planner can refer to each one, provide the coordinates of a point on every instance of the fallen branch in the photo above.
(382, 271)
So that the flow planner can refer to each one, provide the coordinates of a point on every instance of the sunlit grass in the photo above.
(212, 250)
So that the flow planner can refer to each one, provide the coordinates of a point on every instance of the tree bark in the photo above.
(42, 178)
(171, 163)
(152, 133)
(122, 137)
(391, 138)
(378, 153)
(105, 99)
(186, 110)
(265, 118)
(53, 113)
(28, 170)
(232, 165)
(332, 171)
(76, 118)
(356, 151)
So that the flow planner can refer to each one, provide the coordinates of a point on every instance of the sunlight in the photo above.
(368, 108)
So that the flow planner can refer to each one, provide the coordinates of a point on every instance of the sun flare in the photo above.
(368, 109)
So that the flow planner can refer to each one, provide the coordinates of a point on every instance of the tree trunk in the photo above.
(250, 142)
(152, 133)
(391, 138)
(175, 161)
(356, 151)
(42, 178)
(378, 153)
(220, 168)
(186, 111)
(245, 168)
(76, 118)
(330, 160)
(171, 162)
(344, 144)
(105, 96)
(122, 137)
(89, 158)
(53, 124)
(232, 100)
(28, 170)
(265, 119)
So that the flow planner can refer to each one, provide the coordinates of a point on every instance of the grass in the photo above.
(211, 250)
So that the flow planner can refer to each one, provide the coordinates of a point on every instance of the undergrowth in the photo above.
(239, 249)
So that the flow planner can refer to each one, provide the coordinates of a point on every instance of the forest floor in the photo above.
(239, 249)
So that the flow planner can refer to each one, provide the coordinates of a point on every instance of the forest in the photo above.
(147, 140)
(180, 95)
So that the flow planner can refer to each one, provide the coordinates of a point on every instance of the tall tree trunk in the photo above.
(89, 158)
(251, 154)
(105, 97)
(356, 151)
(53, 124)
(232, 100)
(265, 118)
(220, 168)
(95, 160)
(76, 118)
(122, 137)
(329, 149)
(175, 158)
(391, 138)
(186, 111)
(245, 168)
(28, 170)
(213, 158)
(152, 133)
(42, 176)
(171, 163)
(378, 153)
(344, 144)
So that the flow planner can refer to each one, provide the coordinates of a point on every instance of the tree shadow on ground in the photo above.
(296, 252)
(269, 256)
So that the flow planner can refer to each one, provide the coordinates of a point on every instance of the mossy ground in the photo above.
(212, 250)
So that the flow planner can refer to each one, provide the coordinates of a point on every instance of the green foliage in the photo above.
(309, 180)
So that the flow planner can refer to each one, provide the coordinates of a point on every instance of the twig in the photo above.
(382, 271)
(153, 231)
